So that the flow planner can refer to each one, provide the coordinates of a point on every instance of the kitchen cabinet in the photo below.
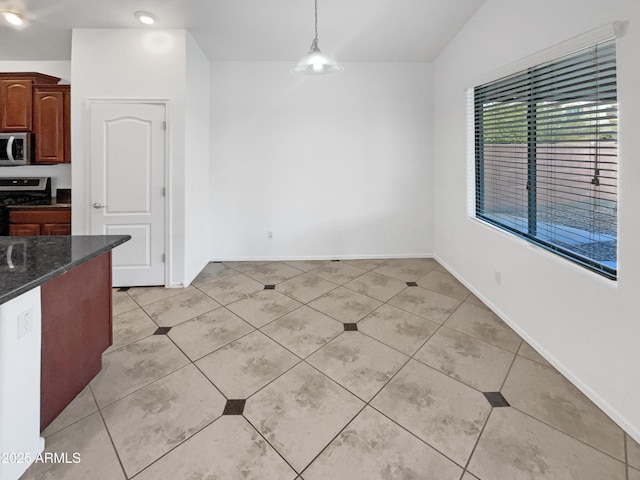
(55, 229)
(40, 221)
(16, 99)
(24, 229)
(51, 124)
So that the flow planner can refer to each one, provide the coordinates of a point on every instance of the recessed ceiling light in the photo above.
(145, 17)
(13, 18)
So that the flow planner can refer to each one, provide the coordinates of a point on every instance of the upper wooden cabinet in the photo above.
(16, 99)
(51, 124)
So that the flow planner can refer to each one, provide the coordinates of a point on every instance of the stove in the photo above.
(22, 191)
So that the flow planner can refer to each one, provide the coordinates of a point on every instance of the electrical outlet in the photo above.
(497, 276)
(269, 235)
(25, 323)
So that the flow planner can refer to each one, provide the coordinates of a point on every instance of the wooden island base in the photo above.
(76, 330)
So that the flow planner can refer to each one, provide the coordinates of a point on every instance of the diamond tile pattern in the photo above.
(135, 366)
(90, 439)
(263, 307)
(303, 331)
(231, 288)
(484, 325)
(82, 406)
(181, 307)
(545, 394)
(267, 384)
(338, 272)
(377, 286)
(446, 414)
(445, 283)
(496, 399)
(130, 327)
(152, 421)
(518, 447)
(204, 334)
(270, 273)
(633, 453)
(478, 364)
(215, 453)
(407, 269)
(301, 412)
(146, 295)
(234, 407)
(373, 447)
(359, 363)
(345, 305)
(243, 367)
(212, 272)
(401, 330)
(305, 288)
(430, 305)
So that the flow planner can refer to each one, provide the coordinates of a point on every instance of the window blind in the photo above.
(546, 156)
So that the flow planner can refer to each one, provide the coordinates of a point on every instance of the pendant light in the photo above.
(315, 62)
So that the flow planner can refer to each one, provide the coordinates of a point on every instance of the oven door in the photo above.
(14, 149)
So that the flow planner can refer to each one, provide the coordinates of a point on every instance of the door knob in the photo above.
(98, 205)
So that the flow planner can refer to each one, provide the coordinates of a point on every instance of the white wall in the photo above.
(131, 64)
(60, 174)
(55, 68)
(336, 166)
(587, 326)
(197, 160)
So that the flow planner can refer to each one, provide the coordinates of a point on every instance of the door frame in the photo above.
(168, 226)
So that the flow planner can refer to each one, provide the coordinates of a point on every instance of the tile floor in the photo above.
(363, 369)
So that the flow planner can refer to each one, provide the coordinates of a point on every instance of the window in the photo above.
(546, 156)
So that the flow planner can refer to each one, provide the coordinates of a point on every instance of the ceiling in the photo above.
(251, 30)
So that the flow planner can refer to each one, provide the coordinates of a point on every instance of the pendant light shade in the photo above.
(315, 62)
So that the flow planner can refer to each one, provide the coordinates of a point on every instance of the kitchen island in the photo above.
(55, 322)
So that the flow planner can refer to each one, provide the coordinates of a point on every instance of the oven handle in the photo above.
(10, 148)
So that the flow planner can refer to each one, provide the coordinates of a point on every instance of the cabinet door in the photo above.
(15, 105)
(24, 229)
(50, 116)
(56, 229)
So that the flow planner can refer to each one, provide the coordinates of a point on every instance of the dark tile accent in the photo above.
(269, 287)
(335, 260)
(412, 284)
(350, 327)
(162, 330)
(123, 289)
(496, 399)
(234, 407)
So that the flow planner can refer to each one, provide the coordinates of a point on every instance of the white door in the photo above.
(128, 187)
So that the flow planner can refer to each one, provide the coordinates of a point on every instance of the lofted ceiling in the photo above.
(250, 30)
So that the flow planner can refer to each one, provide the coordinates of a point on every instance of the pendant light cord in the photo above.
(314, 44)
(316, 20)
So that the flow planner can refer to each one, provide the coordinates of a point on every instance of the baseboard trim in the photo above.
(290, 258)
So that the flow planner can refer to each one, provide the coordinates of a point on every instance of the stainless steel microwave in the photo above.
(14, 148)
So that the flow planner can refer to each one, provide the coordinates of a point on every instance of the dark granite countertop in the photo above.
(53, 204)
(36, 260)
